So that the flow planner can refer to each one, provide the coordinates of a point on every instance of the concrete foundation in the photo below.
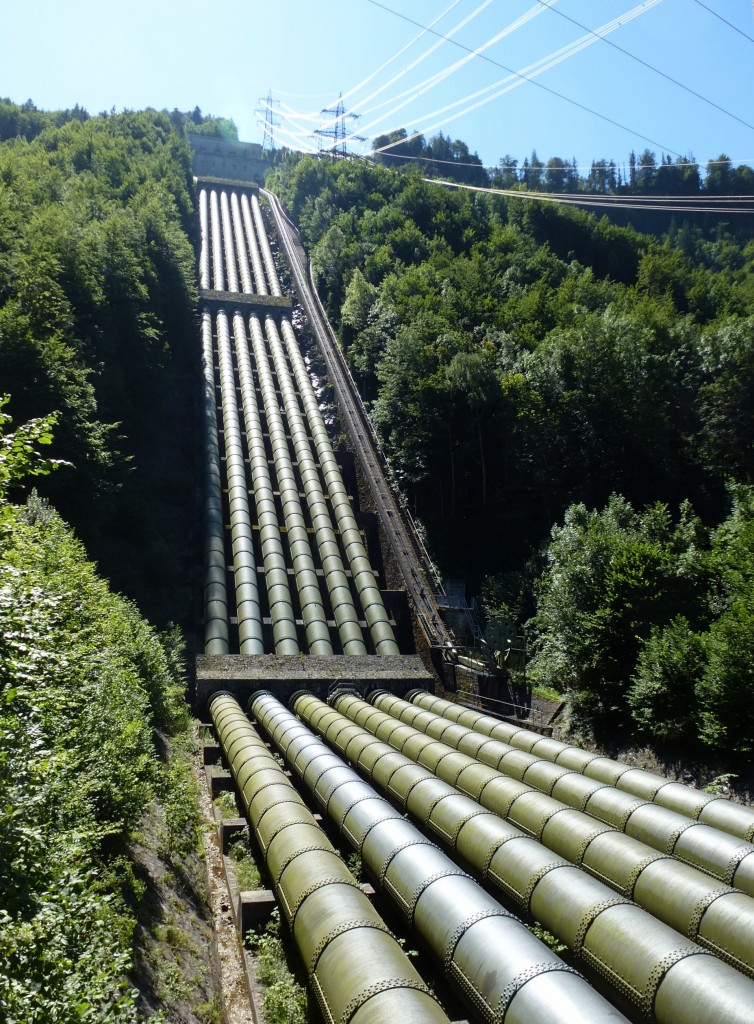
(244, 675)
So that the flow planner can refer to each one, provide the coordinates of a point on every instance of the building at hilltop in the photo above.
(213, 157)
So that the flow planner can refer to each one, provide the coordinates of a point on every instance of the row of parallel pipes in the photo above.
(503, 972)
(366, 585)
(670, 832)
(356, 968)
(718, 812)
(334, 576)
(641, 962)
(687, 899)
(242, 540)
(310, 599)
(233, 235)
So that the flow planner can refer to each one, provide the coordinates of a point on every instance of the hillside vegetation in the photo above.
(96, 336)
(96, 323)
(529, 366)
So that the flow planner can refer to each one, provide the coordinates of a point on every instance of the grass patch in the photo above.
(547, 693)
(285, 1000)
(226, 805)
(247, 873)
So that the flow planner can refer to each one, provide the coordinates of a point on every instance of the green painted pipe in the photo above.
(336, 581)
(267, 257)
(231, 268)
(736, 819)
(369, 595)
(638, 959)
(282, 615)
(218, 269)
(717, 917)
(216, 634)
(260, 282)
(722, 814)
(501, 970)
(244, 559)
(719, 854)
(310, 599)
(366, 586)
(242, 254)
(356, 968)
(204, 278)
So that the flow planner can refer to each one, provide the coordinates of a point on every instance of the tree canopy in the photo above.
(528, 364)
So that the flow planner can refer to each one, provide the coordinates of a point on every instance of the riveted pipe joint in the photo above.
(356, 968)
(718, 918)
(502, 971)
(636, 956)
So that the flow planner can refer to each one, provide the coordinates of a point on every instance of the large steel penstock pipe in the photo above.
(357, 970)
(689, 900)
(640, 961)
(502, 971)
(722, 814)
(721, 855)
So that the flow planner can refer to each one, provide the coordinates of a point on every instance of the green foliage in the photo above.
(96, 304)
(650, 624)
(664, 696)
(19, 457)
(719, 785)
(726, 689)
(78, 708)
(226, 804)
(248, 875)
(285, 1000)
(519, 357)
(610, 576)
(179, 796)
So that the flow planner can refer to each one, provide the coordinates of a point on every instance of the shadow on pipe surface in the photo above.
(503, 972)
(636, 959)
(357, 970)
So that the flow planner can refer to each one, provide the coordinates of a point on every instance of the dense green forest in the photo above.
(97, 297)
(642, 175)
(529, 365)
(97, 300)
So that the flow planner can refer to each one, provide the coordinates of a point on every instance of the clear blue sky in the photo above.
(103, 54)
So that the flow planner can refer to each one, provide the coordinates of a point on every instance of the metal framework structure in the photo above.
(270, 121)
(336, 129)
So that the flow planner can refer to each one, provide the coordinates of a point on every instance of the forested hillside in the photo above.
(96, 371)
(526, 364)
(96, 318)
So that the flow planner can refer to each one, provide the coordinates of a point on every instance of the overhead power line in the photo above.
(619, 164)
(527, 74)
(434, 80)
(539, 85)
(676, 204)
(651, 67)
(728, 23)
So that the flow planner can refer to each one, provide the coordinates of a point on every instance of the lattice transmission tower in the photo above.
(270, 121)
(336, 118)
